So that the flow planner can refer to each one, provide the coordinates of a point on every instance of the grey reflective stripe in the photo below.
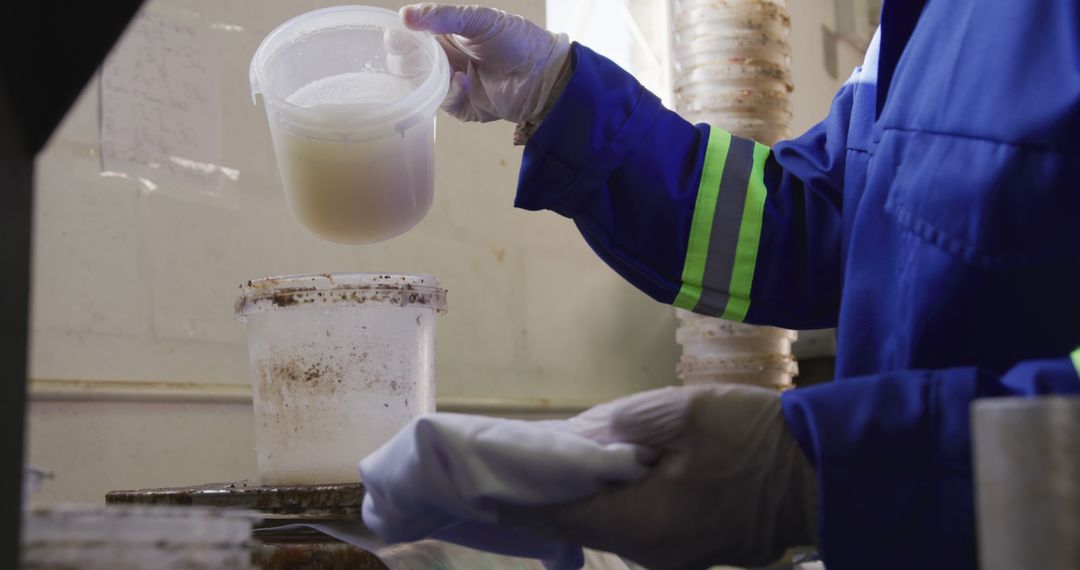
(724, 238)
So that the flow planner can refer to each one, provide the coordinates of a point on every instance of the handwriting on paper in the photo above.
(160, 107)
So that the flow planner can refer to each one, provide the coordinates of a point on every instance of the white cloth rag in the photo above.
(443, 475)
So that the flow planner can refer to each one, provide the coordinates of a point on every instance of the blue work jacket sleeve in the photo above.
(690, 214)
(893, 459)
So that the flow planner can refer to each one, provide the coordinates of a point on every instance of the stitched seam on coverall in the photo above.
(602, 161)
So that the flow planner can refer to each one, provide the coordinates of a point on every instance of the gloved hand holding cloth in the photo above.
(673, 478)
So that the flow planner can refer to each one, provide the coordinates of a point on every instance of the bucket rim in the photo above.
(307, 290)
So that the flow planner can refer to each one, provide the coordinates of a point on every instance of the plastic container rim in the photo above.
(308, 290)
(427, 96)
(736, 364)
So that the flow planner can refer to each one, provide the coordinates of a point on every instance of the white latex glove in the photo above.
(504, 66)
(731, 486)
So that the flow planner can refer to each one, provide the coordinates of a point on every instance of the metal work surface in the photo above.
(301, 503)
(292, 547)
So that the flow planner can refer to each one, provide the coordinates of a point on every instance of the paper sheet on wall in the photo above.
(161, 109)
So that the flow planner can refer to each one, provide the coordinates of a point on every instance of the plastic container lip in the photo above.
(756, 12)
(776, 381)
(693, 324)
(139, 524)
(338, 289)
(719, 74)
(683, 4)
(134, 513)
(702, 365)
(427, 96)
(691, 334)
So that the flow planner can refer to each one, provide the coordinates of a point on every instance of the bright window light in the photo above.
(633, 33)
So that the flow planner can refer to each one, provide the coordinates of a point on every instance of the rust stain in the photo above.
(285, 300)
(335, 501)
(316, 556)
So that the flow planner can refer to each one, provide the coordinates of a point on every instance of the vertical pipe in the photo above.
(732, 65)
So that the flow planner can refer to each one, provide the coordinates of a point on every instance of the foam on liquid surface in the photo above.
(352, 88)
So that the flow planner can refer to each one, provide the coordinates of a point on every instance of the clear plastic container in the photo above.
(772, 379)
(751, 102)
(725, 345)
(764, 17)
(736, 31)
(755, 363)
(726, 4)
(693, 323)
(137, 538)
(340, 363)
(754, 73)
(728, 47)
(770, 371)
(351, 96)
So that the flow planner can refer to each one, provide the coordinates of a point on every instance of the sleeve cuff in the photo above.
(600, 118)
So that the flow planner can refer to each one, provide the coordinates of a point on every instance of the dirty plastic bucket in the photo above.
(340, 363)
(351, 96)
(137, 538)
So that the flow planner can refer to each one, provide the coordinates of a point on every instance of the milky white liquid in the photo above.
(361, 191)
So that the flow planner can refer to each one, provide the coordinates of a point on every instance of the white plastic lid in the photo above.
(303, 32)
(337, 289)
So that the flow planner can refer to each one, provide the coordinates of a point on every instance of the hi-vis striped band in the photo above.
(1076, 359)
(726, 228)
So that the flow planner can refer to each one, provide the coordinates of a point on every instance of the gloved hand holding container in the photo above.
(351, 97)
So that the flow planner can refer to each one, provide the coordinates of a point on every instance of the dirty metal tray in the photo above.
(339, 502)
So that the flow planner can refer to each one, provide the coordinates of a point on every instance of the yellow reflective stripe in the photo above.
(1076, 360)
(712, 171)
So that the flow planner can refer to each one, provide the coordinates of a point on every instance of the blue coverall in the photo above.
(933, 217)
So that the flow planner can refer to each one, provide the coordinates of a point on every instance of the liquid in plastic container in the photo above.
(339, 363)
(351, 95)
